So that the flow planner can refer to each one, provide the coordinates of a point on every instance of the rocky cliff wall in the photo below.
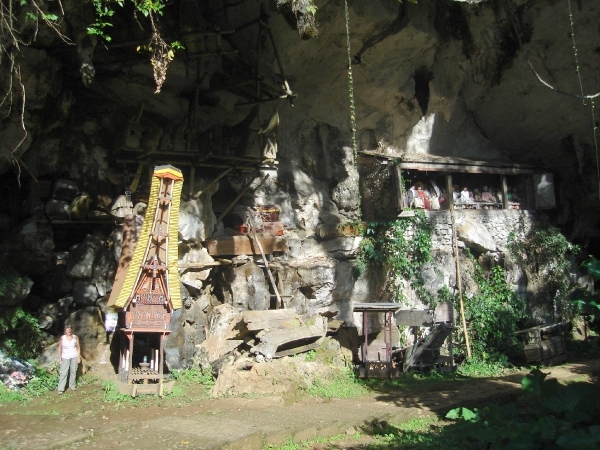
(444, 78)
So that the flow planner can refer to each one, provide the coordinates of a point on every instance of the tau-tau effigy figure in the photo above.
(268, 134)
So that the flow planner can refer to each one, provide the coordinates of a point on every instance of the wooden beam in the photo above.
(266, 263)
(192, 179)
(504, 191)
(400, 189)
(203, 265)
(242, 245)
(449, 191)
(465, 168)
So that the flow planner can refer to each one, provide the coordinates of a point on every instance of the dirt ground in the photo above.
(192, 420)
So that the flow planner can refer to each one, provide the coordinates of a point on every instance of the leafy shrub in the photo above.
(588, 303)
(112, 395)
(41, 383)
(493, 315)
(194, 375)
(548, 416)
(7, 395)
(544, 255)
(401, 246)
(20, 333)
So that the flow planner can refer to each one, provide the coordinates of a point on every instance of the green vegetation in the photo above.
(493, 316)
(194, 375)
(401, 246)
(344, 384)
(588, 303)
(310, 356)
(112, 395)
(291, 445)
(548, 415)
(40, 384)
(414, 434)
(545, 256)
(20, 333)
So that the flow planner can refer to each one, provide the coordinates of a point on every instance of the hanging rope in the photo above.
(575, 48)
(582, 96)
(352, 108)
(572, 24)
(351, 85)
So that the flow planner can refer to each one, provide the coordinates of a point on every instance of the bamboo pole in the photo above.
(459, 282)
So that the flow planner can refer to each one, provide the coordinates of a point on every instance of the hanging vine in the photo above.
(351, 85)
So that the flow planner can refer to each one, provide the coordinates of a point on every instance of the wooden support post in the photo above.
(130, 356)
(459, 283)
(504, 192)
(530, 194)
(400, 190)
(449, 191)
(262, 253)
(366, 335)
(280, 285)
(160, 365)
(258, 52)
(192, 179)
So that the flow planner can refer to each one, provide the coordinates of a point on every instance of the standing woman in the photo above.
(69, 356)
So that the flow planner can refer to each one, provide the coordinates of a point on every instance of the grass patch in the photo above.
(343, 384)
(291, 445)
(417, 434)
(8, 396)
(484, 369)
(194, 375)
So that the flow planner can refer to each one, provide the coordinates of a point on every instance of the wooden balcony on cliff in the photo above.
(512, 185)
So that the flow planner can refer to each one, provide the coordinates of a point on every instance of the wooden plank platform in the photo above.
(244, 245)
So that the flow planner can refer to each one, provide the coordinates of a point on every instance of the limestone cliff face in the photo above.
(440, 77)
(445, 78)
(449, 78)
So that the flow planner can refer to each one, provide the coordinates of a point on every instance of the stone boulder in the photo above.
(56, 283)
(245, 287)
(187, 332)
(476, 236)
(317, 280)
(82, 256)
(14, 288)
(85, 292)
(196, 217)
(191, 276)
(220, 334)
(103, 272)
(31, 249)
(88, 326)
(52, 315)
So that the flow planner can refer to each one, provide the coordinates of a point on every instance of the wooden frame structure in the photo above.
(150, 290)
(450, 165)
(380, 367)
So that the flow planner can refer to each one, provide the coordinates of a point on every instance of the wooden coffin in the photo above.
(245, 245)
